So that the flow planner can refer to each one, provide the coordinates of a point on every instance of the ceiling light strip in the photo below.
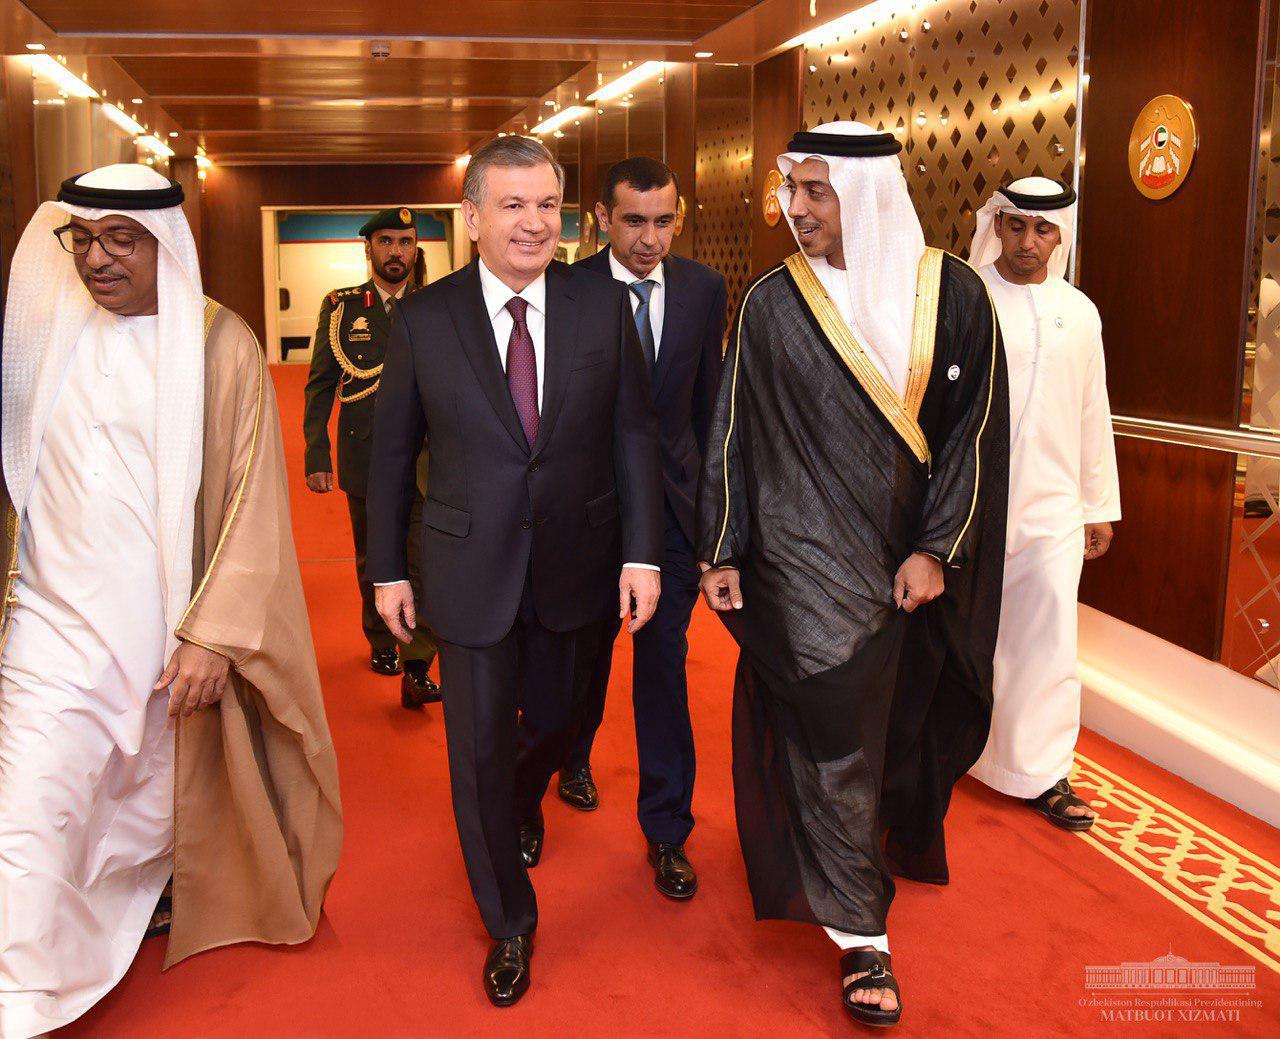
(627, 81)
(855, 22)
(122, 119)
(59, 75)
(565, 115)
(155, 146)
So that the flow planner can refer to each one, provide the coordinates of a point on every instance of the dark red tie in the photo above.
(522, 370)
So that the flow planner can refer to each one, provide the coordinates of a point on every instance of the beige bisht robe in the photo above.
(257, 819)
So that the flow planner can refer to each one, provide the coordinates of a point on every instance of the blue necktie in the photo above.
(644, 290)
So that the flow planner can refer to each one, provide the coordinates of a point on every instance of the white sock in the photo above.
(854, 941)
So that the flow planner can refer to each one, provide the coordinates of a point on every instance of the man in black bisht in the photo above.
(851, 530)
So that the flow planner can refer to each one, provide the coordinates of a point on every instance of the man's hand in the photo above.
(397, 610)
(320, 483)
(721, 587)
(1097, 539)
(918, 581)
(196, 677)
(643, 586)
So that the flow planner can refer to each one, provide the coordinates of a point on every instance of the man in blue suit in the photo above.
(679, 306)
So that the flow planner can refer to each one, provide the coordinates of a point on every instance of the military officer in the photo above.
(346, 361)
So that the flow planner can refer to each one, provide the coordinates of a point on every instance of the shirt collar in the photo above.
(497, 294)
(627, 277)
(384, 295)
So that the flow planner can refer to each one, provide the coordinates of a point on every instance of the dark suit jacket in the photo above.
(585, 497)
(687, 374)
(362, 333)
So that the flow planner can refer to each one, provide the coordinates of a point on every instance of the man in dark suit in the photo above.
(543, 452)
(679, 308)
(346, 360)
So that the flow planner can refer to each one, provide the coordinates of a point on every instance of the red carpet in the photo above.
(1001, 952)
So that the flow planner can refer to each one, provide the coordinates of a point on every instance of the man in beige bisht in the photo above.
(160, 709)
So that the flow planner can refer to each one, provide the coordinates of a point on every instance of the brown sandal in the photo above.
(1053, 805)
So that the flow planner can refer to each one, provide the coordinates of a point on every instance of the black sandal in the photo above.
(1056, 810)
(878, 974)
(164, 905)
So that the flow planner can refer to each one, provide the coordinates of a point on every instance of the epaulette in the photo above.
(337, 294)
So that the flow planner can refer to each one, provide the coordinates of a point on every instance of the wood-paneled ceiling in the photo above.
(294, 80)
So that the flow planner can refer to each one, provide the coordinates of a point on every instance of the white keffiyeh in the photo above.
(986, 244)
(46, 310)
(883, 244)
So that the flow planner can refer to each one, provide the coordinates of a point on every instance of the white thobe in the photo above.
(895, 367)
(1062, 475)
(86, 749)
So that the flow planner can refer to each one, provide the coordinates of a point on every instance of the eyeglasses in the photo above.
(117, 242)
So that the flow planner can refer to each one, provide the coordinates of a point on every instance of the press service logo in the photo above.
(1172, 989)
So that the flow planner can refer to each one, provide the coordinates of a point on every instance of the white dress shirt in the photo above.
(496, 297)
(384, 295)
(657, 299)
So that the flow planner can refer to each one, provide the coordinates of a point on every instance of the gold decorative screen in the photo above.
(980, 93)
(723, 138)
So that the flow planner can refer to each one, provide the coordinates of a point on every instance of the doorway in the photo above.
(309, 252)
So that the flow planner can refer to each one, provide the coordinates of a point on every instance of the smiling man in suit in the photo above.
(527, 379)
(679, 310)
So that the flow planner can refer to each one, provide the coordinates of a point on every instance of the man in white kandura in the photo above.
(1063, 490)
(160, 708)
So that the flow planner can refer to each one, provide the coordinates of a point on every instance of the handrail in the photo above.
(1234, 441)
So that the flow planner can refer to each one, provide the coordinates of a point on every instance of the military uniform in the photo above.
(346, 362)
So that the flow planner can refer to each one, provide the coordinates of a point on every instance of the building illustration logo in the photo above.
(1170, 973)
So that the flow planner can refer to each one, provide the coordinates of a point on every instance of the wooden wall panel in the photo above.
(18, 199)
(776, 102)
(588, 179)
(1169, 277)
(985, 94)
(1166, 570)
(187, 173)
(681, 148)
(234, 195)
(724, 118)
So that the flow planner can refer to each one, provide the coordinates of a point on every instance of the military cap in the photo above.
(395, 219)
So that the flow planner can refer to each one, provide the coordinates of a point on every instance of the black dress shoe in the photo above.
(507, 970)
(384, 662)
(531, 836)
(578, 790)
(416, 687)
(673, 874)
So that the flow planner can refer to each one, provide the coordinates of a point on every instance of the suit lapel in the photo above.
(672, 327)
(561, 345)
(475, 330)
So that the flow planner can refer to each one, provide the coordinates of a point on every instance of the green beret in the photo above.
(389, 220)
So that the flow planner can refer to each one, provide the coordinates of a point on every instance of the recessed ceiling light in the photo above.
(35, 46)
(705, 54)
(173, 133)
(136, 101)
